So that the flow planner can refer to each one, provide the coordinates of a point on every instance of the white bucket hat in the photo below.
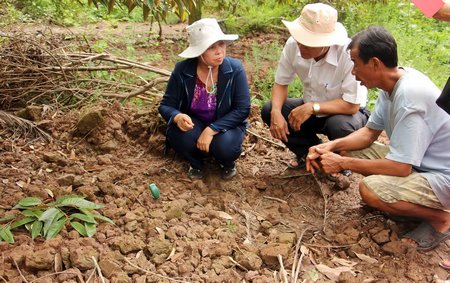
(202, 34)
(317, 26)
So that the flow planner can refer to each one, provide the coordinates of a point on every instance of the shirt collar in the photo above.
(332, 56)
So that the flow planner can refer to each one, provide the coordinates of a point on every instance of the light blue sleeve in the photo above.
(377, 117)
(410, 137)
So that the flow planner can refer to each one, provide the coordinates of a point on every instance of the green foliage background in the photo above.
(423, 43)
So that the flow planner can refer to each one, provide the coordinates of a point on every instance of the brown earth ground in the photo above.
(197, 231)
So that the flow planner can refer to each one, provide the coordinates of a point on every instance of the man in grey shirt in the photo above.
(411, 175)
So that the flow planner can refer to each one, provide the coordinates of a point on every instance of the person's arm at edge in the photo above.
(444, 13)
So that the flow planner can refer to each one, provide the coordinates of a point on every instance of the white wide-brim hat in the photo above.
(317, 26)
(202, 34)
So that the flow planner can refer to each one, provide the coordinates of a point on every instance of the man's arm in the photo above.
(357, 140)
(372, 167)
(331, 162)
(279, 96)
(332, 107)
(278, 125)
(337, 106)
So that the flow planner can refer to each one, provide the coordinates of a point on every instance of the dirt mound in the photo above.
(198, 231)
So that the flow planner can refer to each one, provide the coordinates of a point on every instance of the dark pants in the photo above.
(335, 126)
(225, 147)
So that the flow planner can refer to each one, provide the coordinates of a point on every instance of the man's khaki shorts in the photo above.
(413, 188)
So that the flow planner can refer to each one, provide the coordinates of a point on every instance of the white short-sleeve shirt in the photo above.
(327, 79)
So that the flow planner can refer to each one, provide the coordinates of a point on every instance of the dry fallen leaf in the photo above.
(333, 273)
(366, 258)
(222, 214)
(176, 257)
(58, 262)
(91, 168)
(159, 230)
(49, 192)
(171, 253)
(304, 250)
(21, 184)
(62, 153)
(72, 155)
(343, 262)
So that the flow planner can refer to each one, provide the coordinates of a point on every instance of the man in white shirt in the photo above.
(333, 101)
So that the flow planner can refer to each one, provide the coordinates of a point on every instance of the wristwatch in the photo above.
(316, 108)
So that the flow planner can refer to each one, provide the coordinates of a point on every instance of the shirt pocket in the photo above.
(333, 92)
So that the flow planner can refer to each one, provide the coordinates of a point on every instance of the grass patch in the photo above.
(423, 44)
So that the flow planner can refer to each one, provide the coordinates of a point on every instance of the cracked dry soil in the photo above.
(197, 231)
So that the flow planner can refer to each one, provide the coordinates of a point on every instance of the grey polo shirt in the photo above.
(419, 131)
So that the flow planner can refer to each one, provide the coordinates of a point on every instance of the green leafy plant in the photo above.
(100, 46)
(231, 226)
(48, 219)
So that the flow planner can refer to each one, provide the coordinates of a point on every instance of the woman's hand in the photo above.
(184, 122)
(204, 141)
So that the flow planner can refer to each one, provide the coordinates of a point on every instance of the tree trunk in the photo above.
(196, 12)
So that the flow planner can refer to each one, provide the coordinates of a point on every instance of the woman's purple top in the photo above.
(203, 105)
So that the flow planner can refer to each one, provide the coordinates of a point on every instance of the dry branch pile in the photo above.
(16, 127)
(38, 69)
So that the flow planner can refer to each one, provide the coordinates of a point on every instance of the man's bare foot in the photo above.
(425, 237)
